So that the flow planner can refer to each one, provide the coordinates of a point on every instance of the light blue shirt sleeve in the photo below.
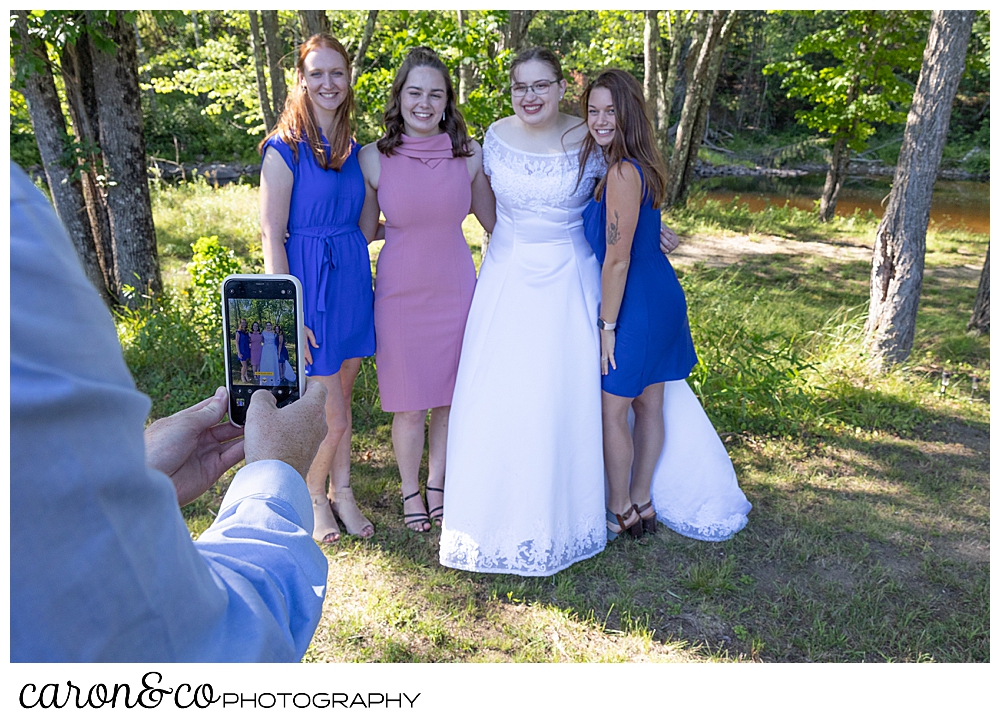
(102, 565)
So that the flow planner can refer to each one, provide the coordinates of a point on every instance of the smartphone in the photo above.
(262, 322)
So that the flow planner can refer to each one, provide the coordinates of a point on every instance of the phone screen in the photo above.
(263, 330)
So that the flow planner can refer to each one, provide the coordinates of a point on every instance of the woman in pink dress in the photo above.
(256, 345)
(425, 175)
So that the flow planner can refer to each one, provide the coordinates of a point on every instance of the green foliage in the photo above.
(220, 70)
(211, 263)
(851, 73)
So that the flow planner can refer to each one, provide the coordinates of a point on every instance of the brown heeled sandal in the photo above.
(437, 519)
(648, 523)
(634, 530)
(421, 518)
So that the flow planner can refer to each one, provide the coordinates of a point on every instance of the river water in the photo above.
(954, 205)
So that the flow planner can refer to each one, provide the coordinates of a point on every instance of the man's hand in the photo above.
(291, 434)
(192, 448)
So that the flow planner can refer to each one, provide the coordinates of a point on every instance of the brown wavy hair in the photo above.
(453, 123)
(542, 55)
(634, 139)
(298, 122)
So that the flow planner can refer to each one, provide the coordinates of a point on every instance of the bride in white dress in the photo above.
(524, 490)
(524, 482)
(268, 370)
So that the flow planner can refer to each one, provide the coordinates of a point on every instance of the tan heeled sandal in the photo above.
(324, 523)
(347, 510)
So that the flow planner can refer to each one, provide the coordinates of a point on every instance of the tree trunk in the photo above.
(517, 29)
(677, 43)
(49, 126)
(194, 24)
(835, 175)
(366, 38)
(313, 22)
(700, 129)
(651, 65)
(688, 141)
(258, 66)
(898, 257)
(123, 146)
(78, 80)
(980, 321)
(465, 67)
(272, 45)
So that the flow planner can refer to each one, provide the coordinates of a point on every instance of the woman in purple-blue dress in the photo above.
(312, 187)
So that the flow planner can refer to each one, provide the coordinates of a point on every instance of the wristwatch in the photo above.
(606, 325)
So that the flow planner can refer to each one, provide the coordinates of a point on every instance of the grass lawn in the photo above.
(869, 536)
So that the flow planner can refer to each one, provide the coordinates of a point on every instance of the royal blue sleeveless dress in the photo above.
(653, 340)
(328, 253)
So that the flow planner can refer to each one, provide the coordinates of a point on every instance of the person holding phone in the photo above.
(311, 187)
(102, 564)
(425, 174)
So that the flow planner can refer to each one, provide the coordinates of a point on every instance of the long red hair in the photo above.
(298, 122)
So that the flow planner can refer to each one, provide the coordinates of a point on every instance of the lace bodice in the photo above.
(537, 183)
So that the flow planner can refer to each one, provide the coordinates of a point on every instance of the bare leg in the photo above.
(618, 454)
(243, 371)
(337, 424)
(648, 440)
(408, 444)
(436, 453)
(340, 467)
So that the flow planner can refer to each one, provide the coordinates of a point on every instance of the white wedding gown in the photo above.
(524, 489)
(524, 475)
(269, 361)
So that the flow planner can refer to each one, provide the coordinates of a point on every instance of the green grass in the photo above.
(869, 537)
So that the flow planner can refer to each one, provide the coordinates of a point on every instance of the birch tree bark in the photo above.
(898, 257)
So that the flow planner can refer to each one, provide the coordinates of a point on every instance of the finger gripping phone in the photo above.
(262, 321)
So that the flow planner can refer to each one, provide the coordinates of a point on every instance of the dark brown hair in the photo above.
(298, 122)
(453, 123)
(543, 55)
(633, 139)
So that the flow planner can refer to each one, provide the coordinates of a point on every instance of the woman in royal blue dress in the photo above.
(311, 186)
(243, 350)
(645, 338)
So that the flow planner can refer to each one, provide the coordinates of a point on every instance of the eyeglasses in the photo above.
(539, 87)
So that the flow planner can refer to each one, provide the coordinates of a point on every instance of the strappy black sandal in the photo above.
(438, 518)
(420, 518)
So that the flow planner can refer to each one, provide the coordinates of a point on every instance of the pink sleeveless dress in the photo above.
(425, 275)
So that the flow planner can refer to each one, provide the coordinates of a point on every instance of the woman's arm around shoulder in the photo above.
(484, 203)
(276, 182)
(369, 158)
